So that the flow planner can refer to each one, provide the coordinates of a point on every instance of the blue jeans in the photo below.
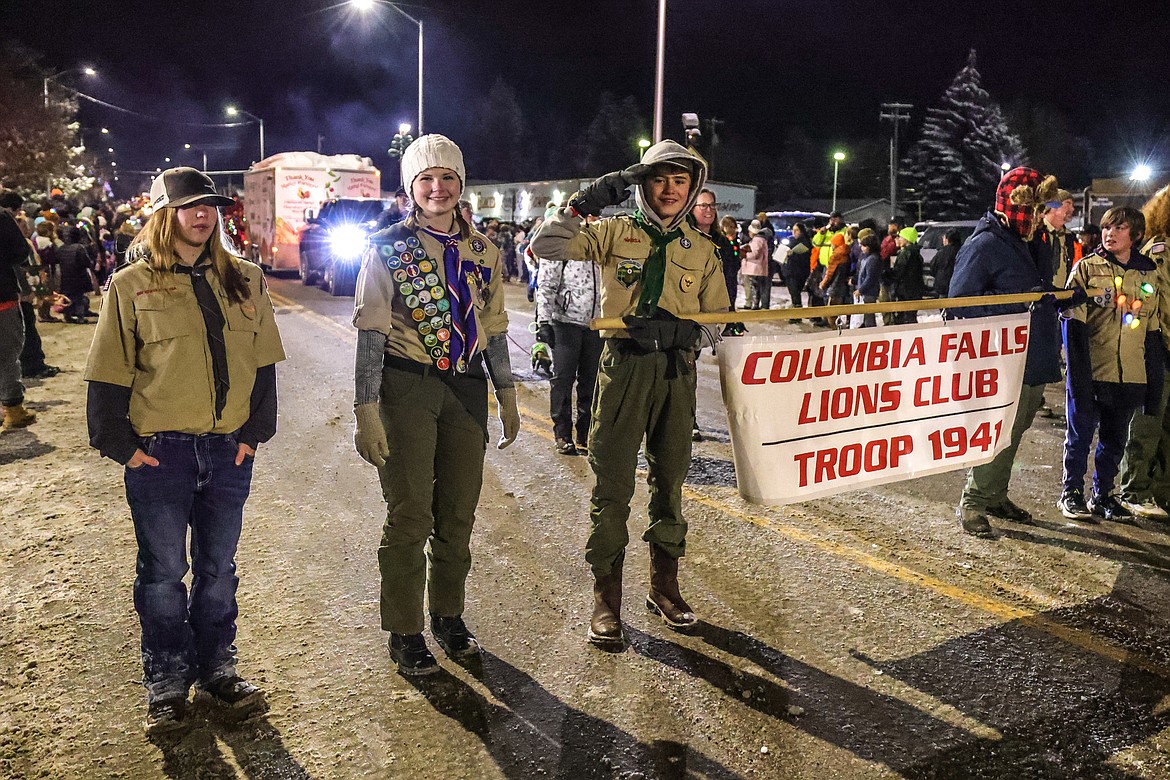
(196, 484)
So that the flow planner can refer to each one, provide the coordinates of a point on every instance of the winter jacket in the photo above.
(869, 276)
(14, 252)
(889, 247)
(905, 276)
(568, 291)
(943, 267)
(75, 263)
(836, 281)
(755, 260)
(799, 261)
(996, 261)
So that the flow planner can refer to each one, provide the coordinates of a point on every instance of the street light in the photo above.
(365, 6)
(837, 158)
(233, 111)
(643, 145)
(1141, 172)
(45, 85)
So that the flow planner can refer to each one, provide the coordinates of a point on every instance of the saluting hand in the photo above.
(140, 459)
(244, 450)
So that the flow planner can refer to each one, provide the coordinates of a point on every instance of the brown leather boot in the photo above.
(17, 417)
(664, 598)
(605, 627)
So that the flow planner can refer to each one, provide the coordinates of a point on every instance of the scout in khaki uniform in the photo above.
(430, 316)
(1111, 342)
(1144, 481)
(656, 269)
(182, 390)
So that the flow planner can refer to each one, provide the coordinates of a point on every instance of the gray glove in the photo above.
(509, 416)
(369, 437)
(608, 190)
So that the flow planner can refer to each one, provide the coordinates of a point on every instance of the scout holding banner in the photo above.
(819, 414)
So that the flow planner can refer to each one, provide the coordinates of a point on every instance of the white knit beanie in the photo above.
(432, 151)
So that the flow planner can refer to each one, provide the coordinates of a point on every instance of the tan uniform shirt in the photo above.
(151, 338)
(694, 274)
(380, 303)
(1117, 344)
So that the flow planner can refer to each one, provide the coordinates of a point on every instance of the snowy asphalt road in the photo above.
(861, 636)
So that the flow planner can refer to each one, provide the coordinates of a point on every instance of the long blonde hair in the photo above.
(1157, 213)
(156, 243)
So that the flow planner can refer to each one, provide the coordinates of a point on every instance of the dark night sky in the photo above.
(312, 67)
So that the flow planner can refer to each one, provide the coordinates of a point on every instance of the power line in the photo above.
(140, 115)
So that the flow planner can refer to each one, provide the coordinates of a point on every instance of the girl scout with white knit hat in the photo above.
(182, 390)
(430, 315)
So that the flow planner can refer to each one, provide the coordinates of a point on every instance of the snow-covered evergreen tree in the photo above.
(954, 166)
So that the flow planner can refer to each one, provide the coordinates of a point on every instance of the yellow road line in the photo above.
(1074, 636)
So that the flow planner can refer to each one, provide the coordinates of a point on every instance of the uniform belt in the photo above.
(411, 366)
(475, 371)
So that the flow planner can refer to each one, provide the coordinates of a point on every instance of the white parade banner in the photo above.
(821, 413)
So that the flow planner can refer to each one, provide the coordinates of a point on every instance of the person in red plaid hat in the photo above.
(997, 260)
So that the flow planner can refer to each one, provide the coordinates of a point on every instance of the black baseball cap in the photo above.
(178, 187)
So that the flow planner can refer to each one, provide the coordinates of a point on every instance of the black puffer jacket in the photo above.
(75, 263)
(905, 277)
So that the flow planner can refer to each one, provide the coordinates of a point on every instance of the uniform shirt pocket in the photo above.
(240, 321)
(162, 322)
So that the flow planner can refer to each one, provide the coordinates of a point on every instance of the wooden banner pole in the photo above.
(828, 312)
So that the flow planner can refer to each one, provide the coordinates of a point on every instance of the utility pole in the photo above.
(320, 142)
(893, 112)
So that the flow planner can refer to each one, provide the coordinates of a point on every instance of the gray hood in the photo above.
(670, 151)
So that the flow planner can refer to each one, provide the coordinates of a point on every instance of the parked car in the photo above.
(930, 240)
(782, 222)
(331, 244)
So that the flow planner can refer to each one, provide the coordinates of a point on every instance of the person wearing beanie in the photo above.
(754, 268)
(869, 273)
(997, 260)
(904, 276)
(182, 392)
(656, 271)
(432, 328)
(835, 285)
(772, 267)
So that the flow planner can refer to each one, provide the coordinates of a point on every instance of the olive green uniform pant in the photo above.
(635, 401)
(1145, 470)
(987, 485)
(431, 483)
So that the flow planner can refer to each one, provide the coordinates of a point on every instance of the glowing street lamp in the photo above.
(365, 6)
(233, 111)
(1141, 172)
(838, 157)
(88, 71)
(643, 145)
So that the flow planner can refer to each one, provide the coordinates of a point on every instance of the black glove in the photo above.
(1078, 298)
(547, 335)
(662, 334)
(608, 190)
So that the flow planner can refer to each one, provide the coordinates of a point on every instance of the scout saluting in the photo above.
(182, 390)
(430, 316)
(655, 269)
